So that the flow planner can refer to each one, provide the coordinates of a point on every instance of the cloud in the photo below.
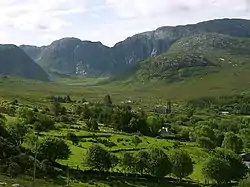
(45, 15)
(134, 16)
(147, 8)
(109, 21)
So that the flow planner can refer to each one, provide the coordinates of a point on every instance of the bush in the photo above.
(136, 140)
(13, 170)
(73, 138)
(92, 125)
(98, 158)
(44, 123)
(217, 169)
(158, 164)
(205, 142)
(120, 140)
(182, 164)
(105, 142)
(53, 149)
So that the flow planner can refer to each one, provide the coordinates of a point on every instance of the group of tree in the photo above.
(224, 166)
(154, 162)
(235, 104)
(209, 135)
(16, 160)
(40, 122)
(60, 99)
(121, 118)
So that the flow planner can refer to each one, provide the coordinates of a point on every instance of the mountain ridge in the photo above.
(93, 58)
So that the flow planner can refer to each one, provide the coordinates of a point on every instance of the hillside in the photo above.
(193, 56)
(13, 61)
(73, 56)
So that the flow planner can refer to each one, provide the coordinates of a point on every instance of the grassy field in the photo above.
(122, 143)
(231, 81)
(145, 95)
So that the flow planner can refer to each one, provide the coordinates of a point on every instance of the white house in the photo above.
(164, 132)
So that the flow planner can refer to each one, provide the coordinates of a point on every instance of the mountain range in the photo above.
(169, 53)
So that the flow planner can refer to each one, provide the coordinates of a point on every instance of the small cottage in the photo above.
(164, 132)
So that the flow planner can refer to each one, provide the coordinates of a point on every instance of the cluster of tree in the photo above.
(40, 122)
(236, 104)
(224, 166)
(227, 135)
(16, 160)
(153, 162)
(59, 99)
(121, 118)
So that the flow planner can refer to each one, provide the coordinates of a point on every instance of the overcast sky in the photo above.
(39, 22)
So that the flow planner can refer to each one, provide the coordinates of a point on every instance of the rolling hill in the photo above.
(75, 57)
(15, 62)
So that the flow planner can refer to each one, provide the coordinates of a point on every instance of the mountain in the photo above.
(196, 55)
(73, 56)
(14, 61)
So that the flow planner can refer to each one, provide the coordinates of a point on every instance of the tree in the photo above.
(7, 149)
(30, 139)
(3, 131)
(219, 137)
(86, 113)
(53, 149)
(238, 169)
(47, 169)
(24, 161)
(202, 130)
(56, 108)
(92, 125)
(98, 158)
(73, 138)
(244, 134)
(114, 160)
(17, 131)
(233, 142)
(159, 164)
(141, 164)
(155, 124)
(205, 142)
(78, 110)
(182, 164)
(27, 115)
(128, 162)
(2, 119)
(107, 100)
(216, 169)
(136, 140)
(44, 123)
(13, 170)
(68, 99)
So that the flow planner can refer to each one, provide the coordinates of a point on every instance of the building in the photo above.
(164, 132)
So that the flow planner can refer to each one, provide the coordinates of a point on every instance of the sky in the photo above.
(39, 22)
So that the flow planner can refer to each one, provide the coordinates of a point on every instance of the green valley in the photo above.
(168, 107)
